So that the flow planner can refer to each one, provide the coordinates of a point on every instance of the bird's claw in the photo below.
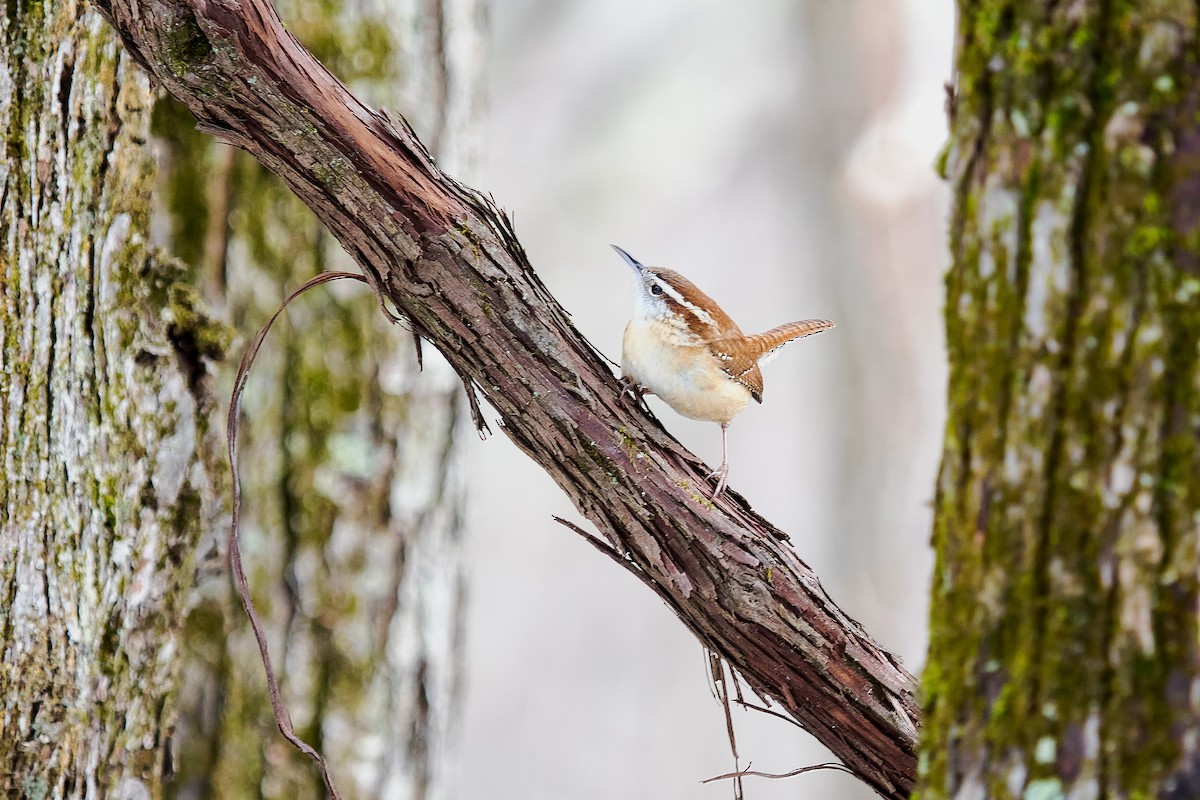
(628, 387)
(720, 473)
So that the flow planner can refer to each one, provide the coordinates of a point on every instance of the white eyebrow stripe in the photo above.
(700, 313)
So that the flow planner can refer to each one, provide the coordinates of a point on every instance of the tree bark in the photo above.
(352, 463)
(104, 483)
(450, 263)
(1063, 656)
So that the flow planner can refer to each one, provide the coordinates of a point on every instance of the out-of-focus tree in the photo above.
(351, 456)
(104, 427)
(1064, 658)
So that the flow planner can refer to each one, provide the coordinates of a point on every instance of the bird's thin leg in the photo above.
(723, 470)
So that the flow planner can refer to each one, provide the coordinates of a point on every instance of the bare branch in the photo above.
(282, 719)
(449, 261)
(748, 773)
(717, 670)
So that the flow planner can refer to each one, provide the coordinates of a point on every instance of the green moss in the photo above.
(185, 46)
(632, 451)
(1022, 621)
(335, 175)
(696, 496)
(190, 322)
(187, 193)
(472, 238)
(941, 165)
(428, 320)
(483, 296)
(600, 459)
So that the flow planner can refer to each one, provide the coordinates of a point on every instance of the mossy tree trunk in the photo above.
(1064, 658)
(351, 456)
(104, 450)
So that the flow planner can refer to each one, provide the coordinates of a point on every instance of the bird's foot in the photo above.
(633, 390)
(720, 473)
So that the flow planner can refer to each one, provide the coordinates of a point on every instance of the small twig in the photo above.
(748, 773)
(282, 719)
(722, 686)
(766, 710)
(420, 353)
(481, 426)
(706, 654)
(593, 540)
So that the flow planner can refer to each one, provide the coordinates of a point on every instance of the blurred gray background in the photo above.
(779, 154)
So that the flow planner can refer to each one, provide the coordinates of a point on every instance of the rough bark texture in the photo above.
(350, 459)
(452, 267)
(104, 485)
(1064, 659)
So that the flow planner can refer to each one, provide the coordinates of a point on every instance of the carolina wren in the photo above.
(682, 347)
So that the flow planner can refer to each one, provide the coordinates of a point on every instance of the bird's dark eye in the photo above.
(655, 289)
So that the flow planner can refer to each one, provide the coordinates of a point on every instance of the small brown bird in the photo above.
(682, 347)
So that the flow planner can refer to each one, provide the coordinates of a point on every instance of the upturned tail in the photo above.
(765, 346)
(741, 356)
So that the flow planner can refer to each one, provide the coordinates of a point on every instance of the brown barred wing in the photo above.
(742, 356)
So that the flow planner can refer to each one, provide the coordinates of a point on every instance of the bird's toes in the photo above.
(719, 488)
(631, 390)
(721, 473)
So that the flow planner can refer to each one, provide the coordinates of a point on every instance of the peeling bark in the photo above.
(104, 479)
(450, 263)
(1064, 659)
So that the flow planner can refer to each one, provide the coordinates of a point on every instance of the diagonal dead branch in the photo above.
(449, 261)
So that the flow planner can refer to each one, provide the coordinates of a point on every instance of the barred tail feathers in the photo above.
(767, 344)
(741, 356)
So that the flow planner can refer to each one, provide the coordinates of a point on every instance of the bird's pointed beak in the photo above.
(638, 266)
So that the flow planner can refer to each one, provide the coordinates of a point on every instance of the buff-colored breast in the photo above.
(671, 363)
